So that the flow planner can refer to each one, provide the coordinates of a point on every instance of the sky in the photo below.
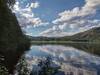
(57, 18)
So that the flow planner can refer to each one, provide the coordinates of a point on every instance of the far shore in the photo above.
(63, 42)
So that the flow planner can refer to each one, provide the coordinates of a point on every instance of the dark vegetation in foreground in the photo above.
(12, 40)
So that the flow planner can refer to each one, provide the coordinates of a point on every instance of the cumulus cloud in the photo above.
(68, 22)
(77, 20)
(56, 31)
(89, 8)
(51, 32)
(26, 16)
(34, 5)
(68, 29)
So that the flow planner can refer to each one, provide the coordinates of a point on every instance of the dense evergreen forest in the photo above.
(12, 41)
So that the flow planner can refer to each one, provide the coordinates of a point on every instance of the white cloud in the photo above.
(77, 19)
(26, 16)
(16, 6)
(56, 31)
(51, 31)
(89, 8)
(74, 27)
(28, 6)
(74, 21)
(34, 5)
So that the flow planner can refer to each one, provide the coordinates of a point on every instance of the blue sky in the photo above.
(49, 9)
(56, 18)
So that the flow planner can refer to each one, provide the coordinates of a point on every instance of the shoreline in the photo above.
(62, 42)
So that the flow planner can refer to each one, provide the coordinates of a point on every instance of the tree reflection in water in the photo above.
(8, 60)
(22, 67)
(45, 68)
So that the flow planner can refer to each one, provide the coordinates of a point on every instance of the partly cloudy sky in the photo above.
(55, 18)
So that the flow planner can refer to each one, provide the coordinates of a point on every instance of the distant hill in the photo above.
(92, 35)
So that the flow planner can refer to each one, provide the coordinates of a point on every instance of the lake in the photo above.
(71, 59)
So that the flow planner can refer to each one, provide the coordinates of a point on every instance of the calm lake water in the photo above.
(72, 61)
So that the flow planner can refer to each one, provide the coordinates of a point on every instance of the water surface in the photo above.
(70, 59)
(73, 61)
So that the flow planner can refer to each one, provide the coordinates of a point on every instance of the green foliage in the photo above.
(91, 35)
(3, 70)
(11, 36)
(9, 2)
(22, 67)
